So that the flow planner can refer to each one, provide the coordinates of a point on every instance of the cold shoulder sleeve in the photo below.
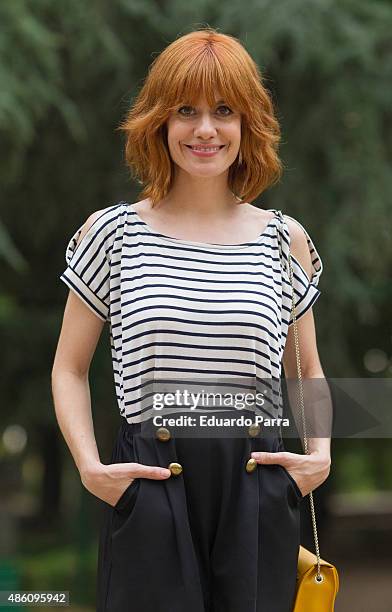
(88, 263)
(306, 289)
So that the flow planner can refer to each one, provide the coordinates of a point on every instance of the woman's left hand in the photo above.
(309, 471)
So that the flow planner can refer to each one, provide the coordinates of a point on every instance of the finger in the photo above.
(154, 472)
(282, 458)
(139, 470)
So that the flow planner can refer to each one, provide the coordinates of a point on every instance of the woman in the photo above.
(192, 282)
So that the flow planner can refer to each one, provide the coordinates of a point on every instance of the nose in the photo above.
(205, 126)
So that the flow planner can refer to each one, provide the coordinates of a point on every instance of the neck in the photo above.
(192, 196)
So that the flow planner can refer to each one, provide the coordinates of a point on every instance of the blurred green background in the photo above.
(68, 73)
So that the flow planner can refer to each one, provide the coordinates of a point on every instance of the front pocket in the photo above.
(293, 482)
(124, 510)
(128, 498)
(125, 451)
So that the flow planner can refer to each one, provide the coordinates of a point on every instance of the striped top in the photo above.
(179, 309)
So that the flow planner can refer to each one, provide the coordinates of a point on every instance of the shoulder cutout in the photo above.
(306, 262)
(88, 257)
(299, 246)
(87, 225)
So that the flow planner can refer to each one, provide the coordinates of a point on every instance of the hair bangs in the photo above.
(204, 76)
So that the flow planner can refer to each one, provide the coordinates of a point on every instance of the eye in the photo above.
(184, 114)
(224, 106)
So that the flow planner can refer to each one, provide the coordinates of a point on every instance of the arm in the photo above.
(78, 339)
(317, 394)
(310, 470)
(79, 336)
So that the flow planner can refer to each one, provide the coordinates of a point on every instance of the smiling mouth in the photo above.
(205, 149)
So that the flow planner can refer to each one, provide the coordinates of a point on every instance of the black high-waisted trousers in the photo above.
(215, 538)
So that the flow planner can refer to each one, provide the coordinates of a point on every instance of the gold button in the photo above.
(175, 468)
(163, 434)
(254, 430)
(251, 465)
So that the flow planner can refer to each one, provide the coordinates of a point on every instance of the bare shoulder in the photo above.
(88, 223)
(299, 244)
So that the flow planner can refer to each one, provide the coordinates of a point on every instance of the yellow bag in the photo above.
(313, 595)
(317, 580)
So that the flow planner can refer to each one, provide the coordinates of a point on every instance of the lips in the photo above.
(204, 148)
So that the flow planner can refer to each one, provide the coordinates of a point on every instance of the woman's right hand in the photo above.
(108, 482)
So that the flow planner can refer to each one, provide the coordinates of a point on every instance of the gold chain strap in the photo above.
(319, 577)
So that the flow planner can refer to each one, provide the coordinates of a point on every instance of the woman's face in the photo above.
(202, 126)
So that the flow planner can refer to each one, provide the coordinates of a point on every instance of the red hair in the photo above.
(194, 64)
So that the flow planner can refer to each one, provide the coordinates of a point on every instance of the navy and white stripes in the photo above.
(181, 309)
